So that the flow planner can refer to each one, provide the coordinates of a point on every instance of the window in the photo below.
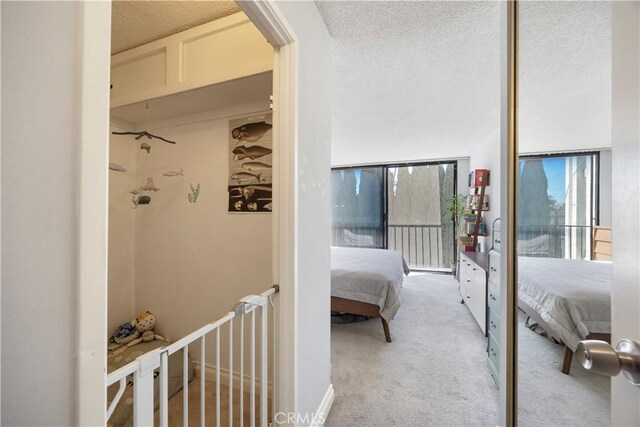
(357, 213)
(557, 205)
(399, 207)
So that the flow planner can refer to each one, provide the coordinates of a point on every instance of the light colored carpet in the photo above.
(176, 412)
(435, 371)
(546, 396)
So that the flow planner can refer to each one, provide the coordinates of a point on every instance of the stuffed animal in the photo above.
(138, 330)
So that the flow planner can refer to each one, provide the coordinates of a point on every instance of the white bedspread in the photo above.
(573, 297)
(373, 276)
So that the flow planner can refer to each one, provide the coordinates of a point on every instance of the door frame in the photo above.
(508, 415)
(95, 62)
(268, 18)
(625, 150)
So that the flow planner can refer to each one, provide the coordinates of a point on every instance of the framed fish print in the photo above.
(250, 164)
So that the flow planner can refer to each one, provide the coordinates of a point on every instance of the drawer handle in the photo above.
(497, 241)
(474, 269)
(493, 325)
(492, 297)
(469, 281)
(468, 297)
(492, 269)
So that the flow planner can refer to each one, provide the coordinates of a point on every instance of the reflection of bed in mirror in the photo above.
(569, 299)
(367, 282)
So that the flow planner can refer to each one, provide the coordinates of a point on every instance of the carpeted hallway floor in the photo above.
(435, 371)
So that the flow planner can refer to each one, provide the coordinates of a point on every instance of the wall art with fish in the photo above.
(250, 164)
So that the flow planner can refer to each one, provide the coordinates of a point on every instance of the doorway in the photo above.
(92, 208)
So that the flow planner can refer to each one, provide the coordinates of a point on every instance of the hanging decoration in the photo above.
(174, 173)
(140, 196)
(116, 167)
(142, 134)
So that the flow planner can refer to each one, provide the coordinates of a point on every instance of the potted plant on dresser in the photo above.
(456, 206)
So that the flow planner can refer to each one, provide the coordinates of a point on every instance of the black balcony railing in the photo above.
(424, 246)
(555, 241)
(431, 246)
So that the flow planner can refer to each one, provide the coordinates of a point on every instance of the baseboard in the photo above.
(210, 376)
(324, 408)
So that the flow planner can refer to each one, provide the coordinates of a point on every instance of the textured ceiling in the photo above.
(137, 22)
(565, 75)
(370, 20)
(412, 80)
(421, 80)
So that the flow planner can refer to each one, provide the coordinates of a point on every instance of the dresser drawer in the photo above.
(494, 355)
(496, 240)
(494, 372)
(494, 266)
(493, 298)
(494, 325)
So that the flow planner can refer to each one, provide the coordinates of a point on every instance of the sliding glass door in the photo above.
(358, 207)
(418, 225)
(399, 207)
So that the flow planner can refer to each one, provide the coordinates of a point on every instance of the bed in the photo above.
(569, 299)
(123, 413)
(367, 282)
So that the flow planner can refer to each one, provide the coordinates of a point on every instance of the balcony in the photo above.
(555, 241)
(423, 246)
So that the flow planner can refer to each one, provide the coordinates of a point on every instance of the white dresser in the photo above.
(493, 303)
(473, 285)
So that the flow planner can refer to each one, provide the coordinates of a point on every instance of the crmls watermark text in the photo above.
(295, 418)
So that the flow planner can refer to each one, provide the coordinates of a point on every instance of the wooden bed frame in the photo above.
(600, 251)
(344, 305)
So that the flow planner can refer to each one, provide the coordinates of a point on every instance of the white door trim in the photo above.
(93, 206)
(321, 414)
(95, 27)
(273, 25)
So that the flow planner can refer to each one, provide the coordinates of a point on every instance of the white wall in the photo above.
(121, 272)
(40, 143)
(195, 261)
(312, 342)
(486, 155)
(625, 290)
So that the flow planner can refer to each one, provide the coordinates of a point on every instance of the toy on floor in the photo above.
(138, 330)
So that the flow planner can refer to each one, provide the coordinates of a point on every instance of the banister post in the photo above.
(143, 406)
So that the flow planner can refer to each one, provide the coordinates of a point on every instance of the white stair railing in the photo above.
(143, 369)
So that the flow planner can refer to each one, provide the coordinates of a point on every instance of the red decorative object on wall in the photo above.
(479, 178)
